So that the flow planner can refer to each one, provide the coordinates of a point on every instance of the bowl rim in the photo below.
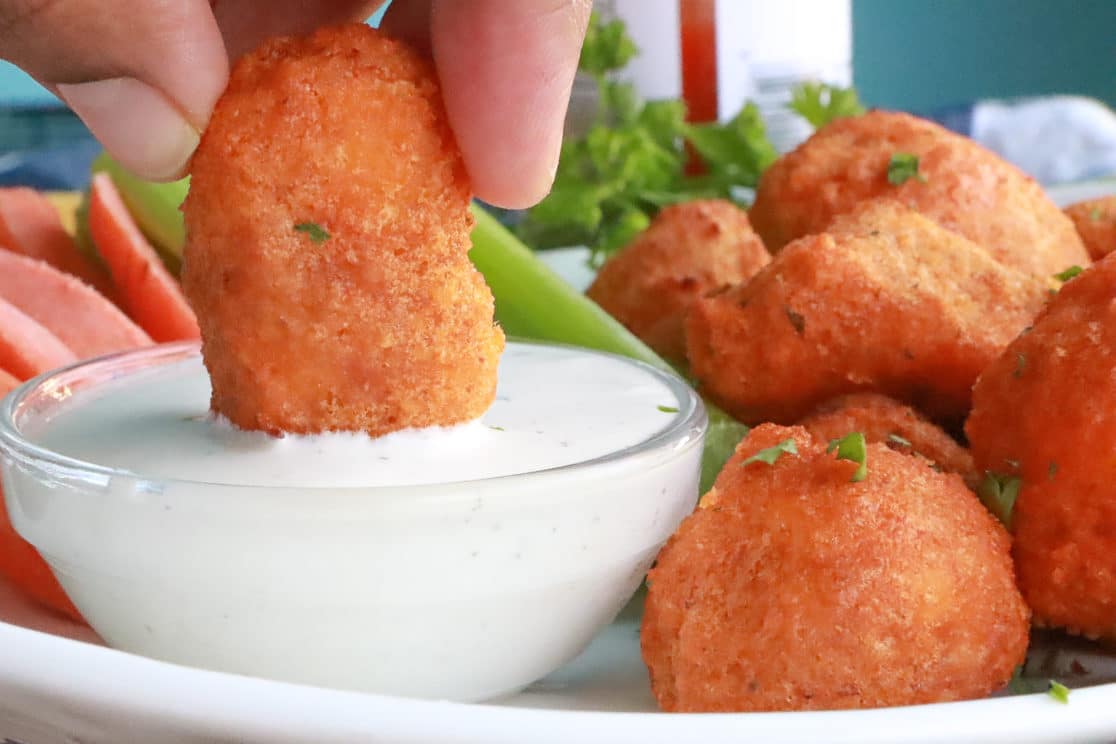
(691, 419)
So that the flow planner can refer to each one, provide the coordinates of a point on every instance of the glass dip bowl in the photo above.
(463, 590)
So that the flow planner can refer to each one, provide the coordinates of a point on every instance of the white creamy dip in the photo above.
(553, 407)
(388, 565)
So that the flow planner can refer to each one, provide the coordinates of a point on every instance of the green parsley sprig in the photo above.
(1019, 684)
(1058, 691)
(770, 454)
(313, 230)
(1069, 273)
(902, 167)
(998, 493)
(632, 161)
(852, 447)
(820, 104)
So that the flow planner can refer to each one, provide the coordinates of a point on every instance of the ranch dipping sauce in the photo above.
(459, 563)
(552, 408)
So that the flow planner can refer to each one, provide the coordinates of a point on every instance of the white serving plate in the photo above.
(54, 689)
(58, 684)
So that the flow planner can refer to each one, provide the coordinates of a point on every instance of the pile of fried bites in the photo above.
(907, 321)
(909, 324)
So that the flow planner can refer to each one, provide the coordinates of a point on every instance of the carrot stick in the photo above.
(147, 290)
(77, 314)
(19, 561)
(22, 565)
(29, 224)
(26, 347)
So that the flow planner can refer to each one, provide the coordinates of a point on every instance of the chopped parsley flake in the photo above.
(901, 441)
(902, 167)
(1051, 470)
(496, 428)
(1026, 685)
(1020, 365)
(852, 447)
(313, 230)
(796, 319)
(771, 454)
(998, 493)
(1095, 214)
(1058, 691)
(1070, 273)
(668, 409)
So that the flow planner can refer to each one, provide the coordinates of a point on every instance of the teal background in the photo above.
(922, 54)
(15, 87)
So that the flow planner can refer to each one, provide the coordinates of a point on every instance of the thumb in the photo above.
(143, 75)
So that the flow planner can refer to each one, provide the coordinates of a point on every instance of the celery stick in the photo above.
(534, 302)
(721, 439)
(154, 207)
(82, 239)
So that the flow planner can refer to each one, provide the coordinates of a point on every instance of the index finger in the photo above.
(506, 71)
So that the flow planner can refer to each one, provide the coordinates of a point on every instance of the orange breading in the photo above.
(886, 301)
(794, 588)
(327, 237)
(1043, 412)
(964, 187)
(688, 250)
(886, 421)
(1095, 221)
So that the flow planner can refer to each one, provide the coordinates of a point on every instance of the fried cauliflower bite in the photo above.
(960, 185)
(688, 250)
(1095, 221)
(899, 427)
(327, 237)
(794, 588)
(886, 301)
(1043, 413)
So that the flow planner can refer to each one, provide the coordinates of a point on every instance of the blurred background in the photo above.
(932, 57)
(925, 54)
(922, 55)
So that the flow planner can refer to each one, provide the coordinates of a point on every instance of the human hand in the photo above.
(144, 75)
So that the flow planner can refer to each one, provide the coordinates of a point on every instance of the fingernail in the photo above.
(552, 166)
(142, 129)
(548, 173)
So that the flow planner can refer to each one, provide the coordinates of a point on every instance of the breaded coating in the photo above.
(1095, 221)
(688, 250)
(327, 237)
(794, 588)
(886, 421)
(886, 301)
(1043, 412)
(959, 184)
